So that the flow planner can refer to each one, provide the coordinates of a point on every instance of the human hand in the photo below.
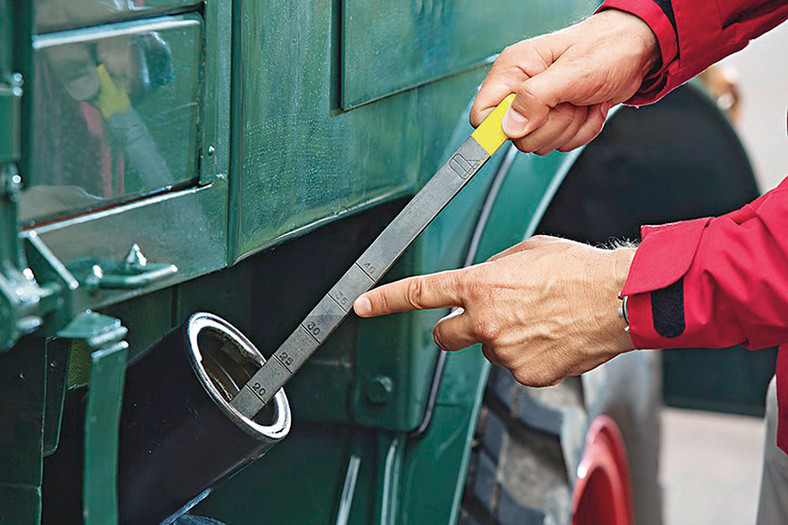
(545, 308)
(567, 81)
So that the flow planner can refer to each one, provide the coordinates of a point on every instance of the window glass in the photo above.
(114, 115)
(53, 15)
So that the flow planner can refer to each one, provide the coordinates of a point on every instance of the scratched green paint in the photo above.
(390, 46)
(298, 160)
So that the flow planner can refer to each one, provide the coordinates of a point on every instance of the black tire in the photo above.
(519, 468)
(529, 443)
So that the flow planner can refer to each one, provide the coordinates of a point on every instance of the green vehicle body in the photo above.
(291, 132)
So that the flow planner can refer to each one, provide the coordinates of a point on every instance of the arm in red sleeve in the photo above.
(713, 282)
(694, 34)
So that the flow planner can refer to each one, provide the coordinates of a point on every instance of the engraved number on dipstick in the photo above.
(285, 359)
(313, 328)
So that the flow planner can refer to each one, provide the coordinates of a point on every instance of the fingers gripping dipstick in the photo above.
(373, 263)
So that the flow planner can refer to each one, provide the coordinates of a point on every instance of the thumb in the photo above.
(538, 95)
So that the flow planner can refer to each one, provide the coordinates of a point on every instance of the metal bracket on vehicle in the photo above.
(56, 284)
(104, 338)
(10, 103)
(35, 287)
(134, 271)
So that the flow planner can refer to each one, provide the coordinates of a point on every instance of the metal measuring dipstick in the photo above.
(373, 263)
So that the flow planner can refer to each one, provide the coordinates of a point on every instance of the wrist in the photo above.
(621, 262)
(643, 43)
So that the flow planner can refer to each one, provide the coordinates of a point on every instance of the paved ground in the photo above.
(711, 467)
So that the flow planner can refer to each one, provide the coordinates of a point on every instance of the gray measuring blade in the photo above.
(360, 277)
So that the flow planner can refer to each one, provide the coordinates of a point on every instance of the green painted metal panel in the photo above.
(6, 39)
(522, 200)
(53, 15)
(116, 113)
(391, 46)
(102, 418)
(10, 103)
(400, 347)
(301, 480)
(388, 484)
(437, 464)
(19, 504)
(57, 354)
(22, 63)
(22, 388)
(298, 161)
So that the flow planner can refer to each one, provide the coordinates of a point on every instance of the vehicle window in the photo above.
(115, 114)
(53, 15)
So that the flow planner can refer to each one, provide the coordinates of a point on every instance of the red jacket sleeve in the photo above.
(694, 34)
(713, 282)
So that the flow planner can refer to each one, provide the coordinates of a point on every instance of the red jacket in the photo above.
(712, 282)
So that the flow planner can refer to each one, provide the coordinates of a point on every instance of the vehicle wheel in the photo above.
(602, 493)
(532, 443)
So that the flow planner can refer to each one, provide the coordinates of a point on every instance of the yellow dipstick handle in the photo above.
(490, 134)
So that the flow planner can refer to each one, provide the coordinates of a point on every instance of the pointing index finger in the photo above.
(438, 290)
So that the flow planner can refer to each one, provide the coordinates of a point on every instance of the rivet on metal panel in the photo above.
(379, 389)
